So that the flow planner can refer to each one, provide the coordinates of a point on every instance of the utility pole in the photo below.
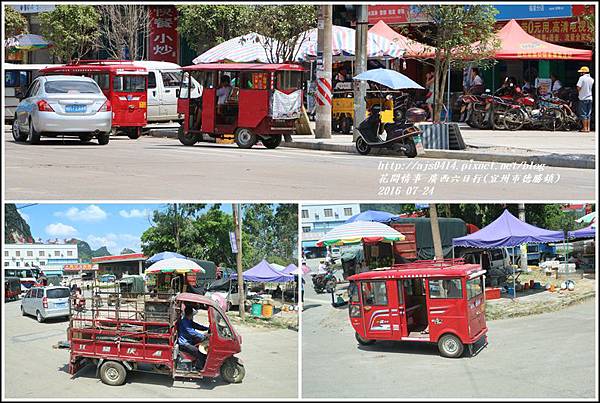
(237, 222)
(523, 246)
(435, 232)
(360, 52)
(324, 88)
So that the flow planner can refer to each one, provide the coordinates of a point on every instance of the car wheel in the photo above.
(450, 346)
(113, 373)
(85, 138)
(244, 138)
(362, 147)
(187, 139)
(272, 142)
(16, 131)
(39, 316)
(232, 371)
(34, 136)
(103, 138)
(363, 342)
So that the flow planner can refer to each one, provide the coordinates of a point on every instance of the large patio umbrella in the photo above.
(27, 42)
(360, 231)
(587, 219)
(175, 265)
(242, 49)
(164, 255)
(372, 215)
(343, 45)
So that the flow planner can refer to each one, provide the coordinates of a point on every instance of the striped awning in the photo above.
(343, 45)
(242, 49)
(360, 231)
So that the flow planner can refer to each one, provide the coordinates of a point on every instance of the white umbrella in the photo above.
(360, 231)
(242, 49)
(175, 264)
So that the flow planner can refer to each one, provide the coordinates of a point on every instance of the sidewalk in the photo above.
(559, 149)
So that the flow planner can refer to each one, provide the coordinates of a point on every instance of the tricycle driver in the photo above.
(189, 337)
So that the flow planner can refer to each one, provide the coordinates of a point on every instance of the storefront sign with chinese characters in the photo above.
(390, 14)
(162, 40)
(557, 30)
(80, 267)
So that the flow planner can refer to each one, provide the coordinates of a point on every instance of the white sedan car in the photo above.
(63, 105)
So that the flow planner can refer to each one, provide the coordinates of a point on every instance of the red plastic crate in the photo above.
(492, 293)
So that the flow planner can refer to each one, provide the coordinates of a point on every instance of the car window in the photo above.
(445, 288)
(39, 293)
(374, 293)
(32, 90)
(57, 293)
(151, 80)
(71, 87)
(171, 78)
(129, 83)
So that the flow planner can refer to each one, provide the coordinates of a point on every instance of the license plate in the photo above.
(75, 108)
(61, 305)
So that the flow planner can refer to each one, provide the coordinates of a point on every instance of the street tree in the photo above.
(124, 28)
(461, 34)
(73, 29)
(14, 23)
(284, 27)
(205, 26)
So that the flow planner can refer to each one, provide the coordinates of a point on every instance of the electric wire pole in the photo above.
(237, 222)
(324, 86)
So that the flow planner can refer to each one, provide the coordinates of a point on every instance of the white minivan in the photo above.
(164, 82)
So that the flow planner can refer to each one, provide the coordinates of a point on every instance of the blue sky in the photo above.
(115, 226)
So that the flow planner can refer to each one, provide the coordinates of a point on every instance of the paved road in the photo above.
(545, 356)
(33, 369)
(161, 168)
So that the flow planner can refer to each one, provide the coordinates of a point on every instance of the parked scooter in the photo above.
(399, 135)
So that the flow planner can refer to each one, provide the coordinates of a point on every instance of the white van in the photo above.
(18, 77)
(164, 82)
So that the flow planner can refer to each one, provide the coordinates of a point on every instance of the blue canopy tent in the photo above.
(507, 231)
(372, 215)
(264, 273)
(587, 232)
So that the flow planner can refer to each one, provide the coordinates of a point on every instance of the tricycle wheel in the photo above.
(450, 346)
(232, 371)
(346, 125)
(187, 139)
(363, 342)
(113, 373)
(134, 133)
(362, 147)
(272, 142)
(411, 148)
(244, 138)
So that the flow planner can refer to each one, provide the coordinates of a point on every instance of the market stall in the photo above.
(505, 232)
(172, 275)
(249, 48)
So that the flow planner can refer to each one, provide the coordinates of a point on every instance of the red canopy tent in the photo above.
(515, 43)
(413, 49)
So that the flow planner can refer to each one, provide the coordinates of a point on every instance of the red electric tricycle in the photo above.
(429, 301)
(124, 84)
(140, 334)
(244, 101)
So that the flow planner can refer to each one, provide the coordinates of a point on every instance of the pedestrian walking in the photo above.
(584, 88)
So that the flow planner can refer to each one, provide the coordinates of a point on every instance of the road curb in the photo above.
(552, 160)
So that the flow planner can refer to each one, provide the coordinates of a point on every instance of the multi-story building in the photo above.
(40, 255)
(318, 219)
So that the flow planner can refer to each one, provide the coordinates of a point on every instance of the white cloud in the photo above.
(90, 213)
(60, 229)
(114, 242)
(134, 213)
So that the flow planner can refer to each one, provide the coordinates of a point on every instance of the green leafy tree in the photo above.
(461, 34)
(73, 29)
(284, 27)
(205, 26)
(14, 23)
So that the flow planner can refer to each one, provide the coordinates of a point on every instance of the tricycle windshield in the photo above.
(223, 328)
(289, 80)
(474, 287)
(129, 83)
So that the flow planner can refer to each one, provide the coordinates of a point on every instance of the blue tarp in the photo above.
(264, 273)
(506, 231)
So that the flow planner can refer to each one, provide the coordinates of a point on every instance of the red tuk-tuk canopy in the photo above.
(411, 48)
(422, 268)
(515, 43)
(115, 66)
(245, 66)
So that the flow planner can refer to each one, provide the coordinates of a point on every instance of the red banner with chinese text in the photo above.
(556, 30)
(162, 38)
(390, 14)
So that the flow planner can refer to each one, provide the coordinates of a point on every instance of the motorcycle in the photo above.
(399, 135)
(545, 116)
(324, 281)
